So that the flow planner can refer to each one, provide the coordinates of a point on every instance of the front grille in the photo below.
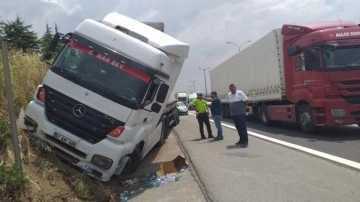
(92, 125)
(353, 90)
(354, 99)
(350, 91)
(352, 82)
(356, 115)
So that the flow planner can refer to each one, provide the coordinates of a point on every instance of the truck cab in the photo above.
(103, 103)
(324, 72)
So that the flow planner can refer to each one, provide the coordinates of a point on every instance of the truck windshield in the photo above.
(182, 99)
(341, 58)
(102, 74)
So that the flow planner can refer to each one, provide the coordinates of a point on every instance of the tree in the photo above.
(56, 28)
(59, 46)
(46, 39)
(19, 35)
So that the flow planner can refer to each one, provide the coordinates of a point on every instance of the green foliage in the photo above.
(12, 181)
(46, 39)
(19, 35)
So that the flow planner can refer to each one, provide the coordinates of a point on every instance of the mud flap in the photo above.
(123, 161)
(21, 120)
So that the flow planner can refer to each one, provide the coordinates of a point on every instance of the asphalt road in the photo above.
(342, 141)
(268, 171)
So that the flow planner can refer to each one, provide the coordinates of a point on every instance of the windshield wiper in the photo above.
(352, 66)
(110, 94)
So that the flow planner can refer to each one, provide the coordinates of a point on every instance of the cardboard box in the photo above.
(173, 166)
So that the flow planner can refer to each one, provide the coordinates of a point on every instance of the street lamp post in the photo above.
(231, 43)
(193, 82)
(205, 78)
(238, 47)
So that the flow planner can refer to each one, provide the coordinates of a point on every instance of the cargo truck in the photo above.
(307, 74)
(182, 97)
(105, 101)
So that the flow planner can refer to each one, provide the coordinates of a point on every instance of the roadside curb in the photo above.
(192, 168)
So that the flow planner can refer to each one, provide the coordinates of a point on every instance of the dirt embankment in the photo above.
(49, 179)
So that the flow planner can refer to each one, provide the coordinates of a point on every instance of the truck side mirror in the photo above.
(163, 90)
(155, 107)
(293, 50)
(52, 47)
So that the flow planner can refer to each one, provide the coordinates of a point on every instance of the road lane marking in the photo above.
(330, 157)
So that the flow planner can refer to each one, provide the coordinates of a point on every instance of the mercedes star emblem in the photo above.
(79, 110)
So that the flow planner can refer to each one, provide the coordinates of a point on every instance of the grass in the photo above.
(12, 181)
(27, 72)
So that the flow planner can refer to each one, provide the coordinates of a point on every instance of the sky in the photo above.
(206, 25)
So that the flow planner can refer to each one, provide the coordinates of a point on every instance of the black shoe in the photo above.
(244, 145)
(203, 137)
(210, 136)
(218, 138)
(238, 143)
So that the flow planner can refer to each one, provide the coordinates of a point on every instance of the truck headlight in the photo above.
(101, 161)
(338, 112)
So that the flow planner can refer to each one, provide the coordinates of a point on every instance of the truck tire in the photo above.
(264, 115)
(177, 117)
(164, 132)
(226, 112)
(306, 119)
(133, 162)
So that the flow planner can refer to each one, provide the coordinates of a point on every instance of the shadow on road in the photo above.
(331, 134)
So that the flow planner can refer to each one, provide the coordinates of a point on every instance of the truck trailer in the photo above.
(105, 101)
(307, 74)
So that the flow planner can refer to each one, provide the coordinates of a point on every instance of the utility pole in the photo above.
(193, 82)
(11, 107)
(205, 78)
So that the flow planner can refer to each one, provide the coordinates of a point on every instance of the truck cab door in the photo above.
(153, 116)
(308, 82)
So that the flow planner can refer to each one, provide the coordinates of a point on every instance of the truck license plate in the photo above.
(64, 139)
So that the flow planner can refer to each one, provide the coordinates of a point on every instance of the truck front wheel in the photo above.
(306, 119)
(133, 162)
(164, 132)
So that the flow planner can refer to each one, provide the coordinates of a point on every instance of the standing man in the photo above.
(238, 102)
(202, 114)
(215, 108)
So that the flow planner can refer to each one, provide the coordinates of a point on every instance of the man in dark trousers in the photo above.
(216, 114)
(238, 102)
(199, 104)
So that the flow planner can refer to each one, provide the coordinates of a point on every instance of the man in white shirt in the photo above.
(238, 102)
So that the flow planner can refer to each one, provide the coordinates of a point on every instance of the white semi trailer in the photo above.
(307, 73)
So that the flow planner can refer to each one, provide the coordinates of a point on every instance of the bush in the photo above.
(12, 182)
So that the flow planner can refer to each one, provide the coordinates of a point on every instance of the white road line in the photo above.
(337, 159)
(330, 157)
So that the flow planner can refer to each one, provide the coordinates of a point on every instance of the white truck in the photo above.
(182, 97)
(103, 104)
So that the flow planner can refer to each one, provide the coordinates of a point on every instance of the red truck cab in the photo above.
(322, 73)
